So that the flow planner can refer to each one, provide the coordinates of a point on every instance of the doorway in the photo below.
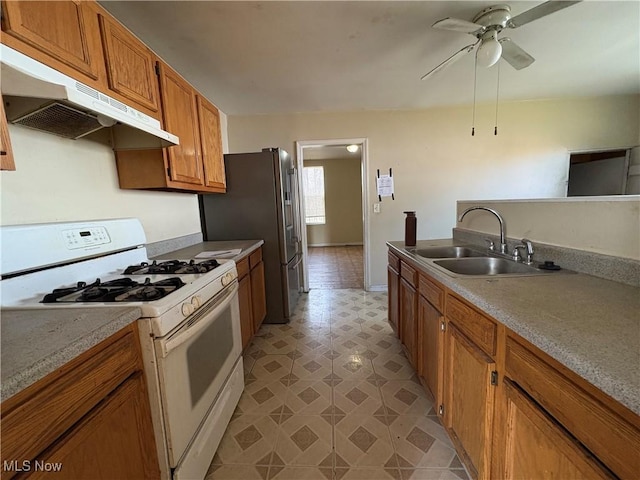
(334, 227)
(602, 172)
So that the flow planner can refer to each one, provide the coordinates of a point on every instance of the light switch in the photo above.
(376, 208)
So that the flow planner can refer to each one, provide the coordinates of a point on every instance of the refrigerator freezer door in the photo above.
(289, 198)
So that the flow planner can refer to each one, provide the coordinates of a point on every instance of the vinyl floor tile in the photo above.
(331, 396)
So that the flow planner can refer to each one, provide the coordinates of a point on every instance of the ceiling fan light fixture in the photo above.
(489, 52)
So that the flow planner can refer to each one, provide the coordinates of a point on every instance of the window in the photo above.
(313, 185)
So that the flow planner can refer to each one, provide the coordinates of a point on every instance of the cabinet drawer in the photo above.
(433, 292)
(409, 273)
(243, 268)
(609, 436)
(478, 328)
(37, 416)
(394, 262)
(255, 258)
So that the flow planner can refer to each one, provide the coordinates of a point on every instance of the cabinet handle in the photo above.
(443, 327)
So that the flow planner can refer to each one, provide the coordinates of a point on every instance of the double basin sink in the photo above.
(463, 260)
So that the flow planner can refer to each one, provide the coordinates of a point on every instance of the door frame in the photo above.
(364, 172)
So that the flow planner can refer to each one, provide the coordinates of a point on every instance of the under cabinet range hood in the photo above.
(39, 97)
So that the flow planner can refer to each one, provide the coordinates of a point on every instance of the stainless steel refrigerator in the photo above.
(262, 203)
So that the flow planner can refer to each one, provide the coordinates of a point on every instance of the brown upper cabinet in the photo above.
(6, 152)
(196, 165)
(181, 118)
(82, 40)
(130, 66)
(61, 34)
(212, 158)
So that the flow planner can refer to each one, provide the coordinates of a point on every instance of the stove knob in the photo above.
(187, 309)
(226, 280)
(196, 301)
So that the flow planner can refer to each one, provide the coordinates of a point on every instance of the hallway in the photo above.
(336, 267)
(331, 396)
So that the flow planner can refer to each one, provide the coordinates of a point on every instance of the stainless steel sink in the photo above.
(487, 266)
(448, 252)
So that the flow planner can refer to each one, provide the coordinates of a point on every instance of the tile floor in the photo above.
(336, 267)
(331, 396)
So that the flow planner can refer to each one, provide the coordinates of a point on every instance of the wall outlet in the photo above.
(376, 208)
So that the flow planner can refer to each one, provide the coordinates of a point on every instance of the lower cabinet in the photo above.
(393, 286)
(258, 294)
(110, 442)
(469, 399)
(511, 411)
(408, 320)
(251, 295)
(430, 345)
(90, 418)
(246, 313)
(538, 447)
(431, 328)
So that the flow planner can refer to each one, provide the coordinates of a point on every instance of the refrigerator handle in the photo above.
(293, 173)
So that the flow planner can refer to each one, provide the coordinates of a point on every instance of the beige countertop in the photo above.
(590, 325)
(247, 246)
(35, 342)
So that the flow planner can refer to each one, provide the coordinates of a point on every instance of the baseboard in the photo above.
(377, 288)
(335, 245)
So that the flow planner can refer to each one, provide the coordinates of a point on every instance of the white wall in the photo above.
(607, 225)
(57, 179)
(436, 161)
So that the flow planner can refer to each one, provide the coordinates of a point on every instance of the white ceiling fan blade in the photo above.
(515, 55)
(540, 11)
(453, 58)
(457, 25)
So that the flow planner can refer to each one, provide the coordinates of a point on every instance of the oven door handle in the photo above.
(199, 324)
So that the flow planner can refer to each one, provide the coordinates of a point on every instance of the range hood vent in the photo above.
(42, 98)
(61, 120)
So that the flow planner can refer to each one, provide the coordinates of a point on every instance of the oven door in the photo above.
(194, 362)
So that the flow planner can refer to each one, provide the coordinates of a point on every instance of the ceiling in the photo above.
(309, 56)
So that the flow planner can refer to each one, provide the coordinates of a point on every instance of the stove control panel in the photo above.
(85, 237)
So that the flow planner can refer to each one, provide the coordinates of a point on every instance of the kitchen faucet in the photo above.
(503, 236)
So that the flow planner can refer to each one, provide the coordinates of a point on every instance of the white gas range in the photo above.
(189, 330)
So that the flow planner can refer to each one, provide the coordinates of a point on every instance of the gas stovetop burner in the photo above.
(119, 290)
(171, 267)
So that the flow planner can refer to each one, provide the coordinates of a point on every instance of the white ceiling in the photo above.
(306, 56)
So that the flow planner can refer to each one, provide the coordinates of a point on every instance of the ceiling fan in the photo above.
(487, 25)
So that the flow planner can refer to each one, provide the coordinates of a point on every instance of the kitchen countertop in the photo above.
(247, 247)
(590, 325)
(35, 342)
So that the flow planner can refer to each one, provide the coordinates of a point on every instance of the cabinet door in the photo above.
(6, 152)
(469, 400)
(393, 285)
(115, 440)
(258, 295)
(130, 65)
(211, 138)
(408, 320)
(429, 346)
(181, 118)
(537, 447)
(246, 312)
(66, 30)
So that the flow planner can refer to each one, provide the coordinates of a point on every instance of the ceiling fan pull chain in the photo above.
(475, 77)
(495, 128)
